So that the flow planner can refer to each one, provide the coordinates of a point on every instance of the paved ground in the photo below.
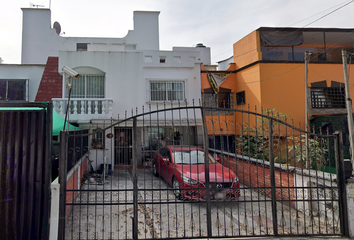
(107, 213)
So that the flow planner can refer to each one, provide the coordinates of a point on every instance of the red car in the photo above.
(183, 167)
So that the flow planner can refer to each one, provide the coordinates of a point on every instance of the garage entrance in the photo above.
(281, 192)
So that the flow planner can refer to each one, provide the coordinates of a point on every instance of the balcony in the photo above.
(326, 100)
(84, 109)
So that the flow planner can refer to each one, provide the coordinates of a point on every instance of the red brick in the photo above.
(51, 82)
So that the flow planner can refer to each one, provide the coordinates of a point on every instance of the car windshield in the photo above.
(190, 157)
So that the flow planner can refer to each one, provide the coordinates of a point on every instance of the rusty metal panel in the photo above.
(25, 145)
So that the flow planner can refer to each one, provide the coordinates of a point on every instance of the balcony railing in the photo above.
(84, 109)
(327, 98)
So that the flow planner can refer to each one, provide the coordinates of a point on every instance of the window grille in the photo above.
(240, 98)
(220, 100)
(98, 141)
(327, 98)
(167, 91)
(88, 86)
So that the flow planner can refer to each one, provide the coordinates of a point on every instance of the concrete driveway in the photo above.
(106, 212)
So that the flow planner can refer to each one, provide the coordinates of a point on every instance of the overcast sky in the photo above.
(215, 23)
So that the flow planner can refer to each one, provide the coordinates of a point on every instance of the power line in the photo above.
(342, 6)
(329, 13)
(262, 80)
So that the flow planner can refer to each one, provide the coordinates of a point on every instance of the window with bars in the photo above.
(220, 100)
(98, 140)
(327, 97)
(88, 87)
(167, 90)
(13, 90)
(240, 98)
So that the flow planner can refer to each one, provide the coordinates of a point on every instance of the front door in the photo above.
(123, 146)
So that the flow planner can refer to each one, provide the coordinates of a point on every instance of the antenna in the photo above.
(36, 6)
(57, 27)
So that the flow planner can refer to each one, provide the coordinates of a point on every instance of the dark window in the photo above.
(81, 47)
(13, 90)
(220, 100)
(162, 59)
(327, 98)
(240, 98)
(98, 140)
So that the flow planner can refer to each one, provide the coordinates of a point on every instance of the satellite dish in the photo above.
(57, 27)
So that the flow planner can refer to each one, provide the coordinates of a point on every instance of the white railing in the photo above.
(84, 109)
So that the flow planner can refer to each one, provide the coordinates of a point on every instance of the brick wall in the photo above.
(51, 82)
(258, 176)
(74, 183)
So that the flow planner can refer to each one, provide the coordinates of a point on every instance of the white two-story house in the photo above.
(117, 76)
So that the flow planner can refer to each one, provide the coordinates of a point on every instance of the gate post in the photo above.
(207, 179)
(272, 176)
(62, 181)
(342, 194)
(135, 180)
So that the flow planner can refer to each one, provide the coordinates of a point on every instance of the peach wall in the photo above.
(282, 85)
(247, 50)
(246, 80)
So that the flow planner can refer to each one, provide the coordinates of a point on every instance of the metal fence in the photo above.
(25, 170)
(196, 172)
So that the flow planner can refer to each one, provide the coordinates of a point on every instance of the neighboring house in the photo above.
(19, 82)
(269, 72)
(39, 40)
(118, 75)
(224, 64)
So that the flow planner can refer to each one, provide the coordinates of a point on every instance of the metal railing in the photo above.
(327, 98)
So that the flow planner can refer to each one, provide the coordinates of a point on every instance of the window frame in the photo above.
(238, 96)
(327, 98)
(86, 94)
(26, 90)
(98, 139)
(168, 92)
(216, 100)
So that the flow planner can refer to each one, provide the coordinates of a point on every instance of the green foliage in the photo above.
(317, 150)
(254, 141)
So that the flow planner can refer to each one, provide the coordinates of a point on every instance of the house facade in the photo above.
(20, 82)
(117, 76)
(268, 71)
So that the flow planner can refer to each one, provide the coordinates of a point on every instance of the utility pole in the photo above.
(348, 104)
(307, 60)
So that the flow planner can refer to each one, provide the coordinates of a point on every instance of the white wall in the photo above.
(350, 202)
(204, 53)
(127, 75)
(223, 65)
(31, 72)
(39, 40)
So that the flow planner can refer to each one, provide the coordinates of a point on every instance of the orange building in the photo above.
(269, 72)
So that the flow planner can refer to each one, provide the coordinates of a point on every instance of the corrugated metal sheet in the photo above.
(25, 169)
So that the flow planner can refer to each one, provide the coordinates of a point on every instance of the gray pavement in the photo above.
(106, 212)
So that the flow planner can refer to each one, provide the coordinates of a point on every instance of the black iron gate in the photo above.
(247, 174)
